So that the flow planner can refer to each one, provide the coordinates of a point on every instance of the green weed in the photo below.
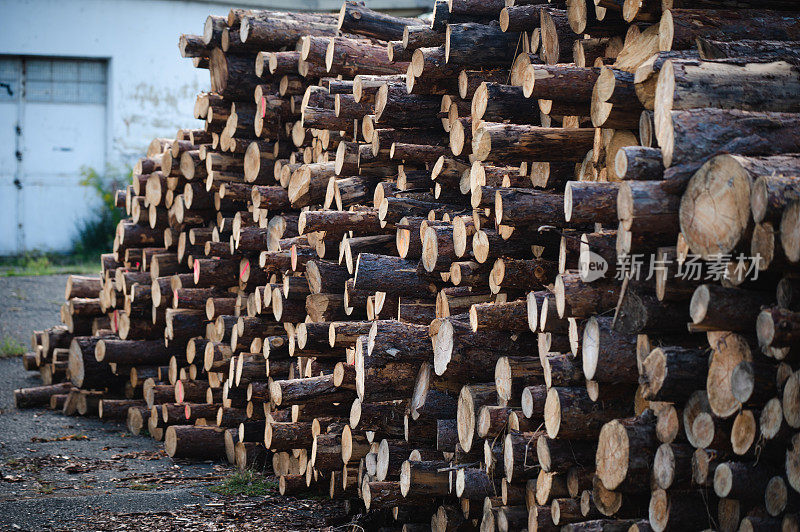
(10, 347)
(246, 482)
(143, 486)
(38, 263)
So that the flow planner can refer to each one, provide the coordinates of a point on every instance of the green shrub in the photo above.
(95, 233)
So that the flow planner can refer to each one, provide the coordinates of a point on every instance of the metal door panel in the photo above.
(10, 97)
(60, 106)
(61, 140)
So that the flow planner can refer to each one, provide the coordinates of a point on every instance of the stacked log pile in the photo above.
(528, 266)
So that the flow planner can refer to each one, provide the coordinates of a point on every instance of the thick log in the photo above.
(493, 141)
(687, 140)
(576, 298)
(556, 454)
(84, 369)
(185, 441)
(389, 274)
(518, 207)
(356, 18)
(608, 355)
(625, 452)
(479, 45)
(132, 352)
(40, 395)
(639, 163)
(728, 350)
(676, 510)
(715, 307)
(777, 327)
(232, 76)
(671, 373)
(679, 28)
(461, 351)
(570, 413)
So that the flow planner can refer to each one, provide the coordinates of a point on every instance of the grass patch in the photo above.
(44, 487)
(247, 483)
(142, 486)
(10, 347)
(36, 263)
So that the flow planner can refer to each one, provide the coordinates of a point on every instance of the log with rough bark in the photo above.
(186, 441)
(679, 28)
(40, 395)
(625, 452)
(482, 45)
(570, 413)
(493, 141)
(356, 18)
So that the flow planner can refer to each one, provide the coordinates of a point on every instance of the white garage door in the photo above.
(52, 125)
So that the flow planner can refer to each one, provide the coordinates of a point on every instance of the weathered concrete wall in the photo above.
(151, 92)
(151, 89)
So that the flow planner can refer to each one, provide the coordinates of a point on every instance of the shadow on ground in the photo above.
(75, 473)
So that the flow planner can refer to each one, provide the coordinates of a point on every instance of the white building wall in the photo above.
(151, 89)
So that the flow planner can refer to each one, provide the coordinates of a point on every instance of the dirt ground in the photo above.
(75, 473)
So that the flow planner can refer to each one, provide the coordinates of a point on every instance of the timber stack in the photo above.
(519, 265)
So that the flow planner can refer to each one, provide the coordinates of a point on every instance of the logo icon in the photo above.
(592, 267)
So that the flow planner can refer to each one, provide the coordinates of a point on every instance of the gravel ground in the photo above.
(29, 303)
(75, 473)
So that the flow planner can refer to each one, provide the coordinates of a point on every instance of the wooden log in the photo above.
(356, 18)
(640, 311)
(40, 395)
(670, 373)
(520, 460)
(132, 352)
(390, 275)
(84, 369)
(686, 142)
(644, 207)
(424, 478)
(471, 399)
(493, 141)
(185, 441)
(625, 452)
(728, 350)
(479, 44)
(608, 356)
(678, 28)
(495, 101)
(278, 31)
(82, 286)
(570, 413)
(513, 378)
(577, 298)
(675, 509)
(639, 163)
(392, 103)
(560, 455)
(715, 307)
(590, 201)
(777, 327)
(522, 207)
(473, 484)
(459, 349)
